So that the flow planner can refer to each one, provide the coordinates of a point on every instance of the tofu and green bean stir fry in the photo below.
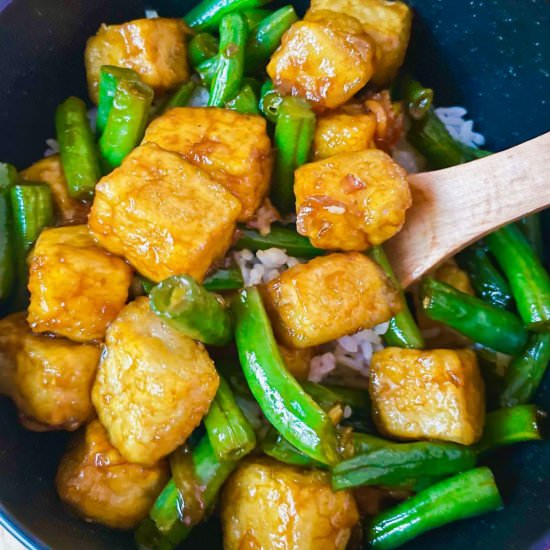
(195, 284)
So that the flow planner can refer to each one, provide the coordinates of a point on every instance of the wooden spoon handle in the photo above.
(456, 206)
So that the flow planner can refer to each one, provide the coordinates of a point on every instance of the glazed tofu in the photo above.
(153, 385)
(232, 148)
(100, 485)
(329, 297)
(76, 287)
(164, 215)
(154, 48)
(388, 22)
(49, 170)
(297, 361)
(340, 132)
(326, 58)
(435, 394)
(267, 504)
(351, 201)
(49, 379)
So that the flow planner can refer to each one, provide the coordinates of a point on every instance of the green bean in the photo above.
(403, 331)
(201, 47)
(181, 97)
(270, 101)
(488, 325)
(277, 447)
(488, 283)
(531, 228)
(294, 131)
(254, 16)
(32, 209)
(109, 79)
(244, 102)
(529, 281)
(8, 178)
(329, 396)
(398, 463)
(77, 148)
(418, 99)
(284, 237)
(463, 496)
(207, 15)
(282, 400)
(524, 374)
(126, 122)
(207, 71)
(509, 426)
(229, 432)
(266, 38)
(188, 307)
(230, 64)
(224, 279)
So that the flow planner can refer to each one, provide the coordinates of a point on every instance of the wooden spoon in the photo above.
(456, 206)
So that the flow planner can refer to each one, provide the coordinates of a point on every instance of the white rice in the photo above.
(151, 13)
(53, 147)
(459, 127)
(264, 266)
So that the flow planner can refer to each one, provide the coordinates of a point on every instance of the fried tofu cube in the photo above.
(435, 394)
(232, 148)
(49, 379)
(164, 215)
(154, 48)
(267, 504)
(388, 22)
(49, 170)
(351, 201)
(100, 485)
(76, 287)
(325, 58)
(340, 132)
(297, 361)
(153, 385)
(328, 297)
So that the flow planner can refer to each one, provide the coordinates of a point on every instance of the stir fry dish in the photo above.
(193, 281)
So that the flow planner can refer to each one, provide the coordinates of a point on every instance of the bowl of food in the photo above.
(202, 342)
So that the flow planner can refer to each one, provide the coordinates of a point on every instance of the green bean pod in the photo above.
(531, 228)
(328, 396)
(276, 446)
(488, 283)
(181, 97)
(8, 178)
(109, 79)
(463, 496)
(207, 15)
(188, 307)
(207, 70)
(244, 102)
(280, 236)
(230, 434)
(126, 123)
(529, 281)
(224, 279)
(483, 323)
(418, 100)
(403, 331)
(282, 400)
(398, 463)
(293, 137)
(230, 66)
(77, 148)
(270, 101)
(509, 426)
(266, 37)
(201, 47)
(524, 374)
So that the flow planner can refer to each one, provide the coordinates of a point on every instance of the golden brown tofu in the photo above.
(49, 379)
(329, 297)
(435, 394)
(153, 385)
(326, 58)
(343, 133)
(154, 48)
(297, 360)
(164, 215)
(268, 505)
(76, 287)
(389, 24)
(351, 201)
(49, 170)
(232, 148)
(102, 486)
